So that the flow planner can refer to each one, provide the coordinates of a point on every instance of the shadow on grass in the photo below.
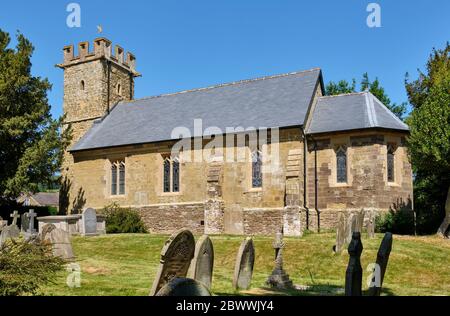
(313, 290)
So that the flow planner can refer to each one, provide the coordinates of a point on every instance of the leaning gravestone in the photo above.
(15, 215)
(382, 260)
(340, 233)
(353, 275)
(183, 287)
(443, 230)
(60, 241)
(9, 232)
(243, 270)
(176, 257)
(24, 222)
(89, 222)
(201, 268)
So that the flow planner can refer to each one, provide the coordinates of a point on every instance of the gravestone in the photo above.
(89, 222)
(340, 232)
(371, 224)
(382, 260)
(279, 278)
(353, 275)
(24, 222)
(183, 287)
(176, 256)
(355, 223)
(201, 268)
(29, 221)
(9, 232)
(444, 229)
(15, 215)
(243, 269)
(60, 241)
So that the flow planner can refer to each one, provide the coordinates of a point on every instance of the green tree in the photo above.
(31, 142)
(429, 142)
(341, 87)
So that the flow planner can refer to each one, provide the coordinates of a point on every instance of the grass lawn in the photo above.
(126, 265)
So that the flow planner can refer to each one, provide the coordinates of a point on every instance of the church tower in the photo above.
(94, 81)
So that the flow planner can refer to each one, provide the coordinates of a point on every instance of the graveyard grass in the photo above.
(126, 265)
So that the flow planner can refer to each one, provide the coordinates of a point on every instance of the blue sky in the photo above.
(181, 45)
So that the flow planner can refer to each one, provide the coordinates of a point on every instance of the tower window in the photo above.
(256, 169)
(390, 164)
(171, 175)
(118, 177)
(82, 85)
(341, 165)
(119, 89)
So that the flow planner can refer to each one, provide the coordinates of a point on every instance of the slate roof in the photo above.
(275, 101)
(41, 198)
(350, 112)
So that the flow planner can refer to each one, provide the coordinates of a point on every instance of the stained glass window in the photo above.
(113, 179)
(390, 164)
(256, 169)
(122, 178)
(167, 175)
(341, 165)
(175, 175)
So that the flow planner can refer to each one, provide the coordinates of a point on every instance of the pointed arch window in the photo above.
(390, 164)
(171, 174)
(118, 177)
(341, 165)
(256, 169)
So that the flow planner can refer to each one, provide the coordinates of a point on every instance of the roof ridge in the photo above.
(232, 83)
(342, 95)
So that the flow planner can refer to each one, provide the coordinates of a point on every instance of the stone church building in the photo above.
(328, 154)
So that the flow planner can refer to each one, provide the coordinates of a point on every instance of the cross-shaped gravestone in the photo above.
(15, 215)
(31, 215)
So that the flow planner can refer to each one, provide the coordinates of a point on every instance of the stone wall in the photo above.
(167, 218)
(367, 185)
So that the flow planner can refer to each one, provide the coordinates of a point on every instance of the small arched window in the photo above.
(390, 164)
(82, 85)
(341, 165)
(118, 177)
(256, 169)
(171, 175)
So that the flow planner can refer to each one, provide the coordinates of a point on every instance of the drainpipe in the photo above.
(316, 184)
(305, 151)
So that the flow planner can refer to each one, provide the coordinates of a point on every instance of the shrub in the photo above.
(122, 220)
(25, 266)
(397, 222)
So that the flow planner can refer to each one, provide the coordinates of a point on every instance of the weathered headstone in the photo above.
(29, 220)
(2, 223)
(371, 224)
(444, 229)
(243, 269)
(355, 221)
(353, 275)
(60, 241)
(15, 215)
(382, 260)
(184, 287)
(89, 222)
(279, 278)
(176, 256)
(340, 232)
(9, 232)
(24, 223)
(201, 268)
